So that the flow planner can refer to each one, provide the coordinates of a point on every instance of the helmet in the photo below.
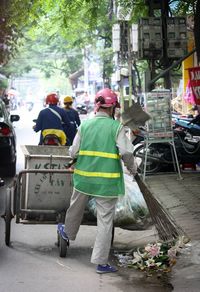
(52, 98)
(68, 99)
(106, 98)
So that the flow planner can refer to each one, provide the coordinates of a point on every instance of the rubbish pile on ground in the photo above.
(157, 257)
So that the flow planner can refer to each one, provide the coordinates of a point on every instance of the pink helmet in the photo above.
(106, 98)
(52, 98)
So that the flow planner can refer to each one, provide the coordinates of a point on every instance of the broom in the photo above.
(165, 225)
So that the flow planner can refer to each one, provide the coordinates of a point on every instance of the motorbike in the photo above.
(160, 157)
(81, 109)
(188, 125)
(50, 138)
(29, 106)
(1, 182)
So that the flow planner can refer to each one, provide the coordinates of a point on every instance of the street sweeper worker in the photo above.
(99, 146)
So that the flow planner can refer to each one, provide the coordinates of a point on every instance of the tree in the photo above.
(61, 29)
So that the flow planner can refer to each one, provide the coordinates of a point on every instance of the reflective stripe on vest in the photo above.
(97, 174)
(99, 154)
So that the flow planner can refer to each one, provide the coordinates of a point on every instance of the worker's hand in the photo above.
(130, 163)
(71, 163)
(133, 172)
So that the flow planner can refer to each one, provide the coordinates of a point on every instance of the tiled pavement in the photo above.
(182, 199)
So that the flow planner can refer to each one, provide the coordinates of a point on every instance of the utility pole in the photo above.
(86, 65)
(163, 7)
(164, 15)
(152, 66)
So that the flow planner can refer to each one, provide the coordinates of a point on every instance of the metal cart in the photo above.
(40, 194)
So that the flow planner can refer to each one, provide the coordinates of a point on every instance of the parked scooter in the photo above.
(189, 125)
(160, 155)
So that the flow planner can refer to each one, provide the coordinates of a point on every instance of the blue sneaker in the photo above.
(61, 231)
(102, 269)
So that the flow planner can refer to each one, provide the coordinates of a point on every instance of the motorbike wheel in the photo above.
(151, 166)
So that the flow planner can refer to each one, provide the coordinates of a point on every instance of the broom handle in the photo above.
(138, 180)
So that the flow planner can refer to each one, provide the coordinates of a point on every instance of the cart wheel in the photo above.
(58, 239)
(8, 217)
(113, 235)
(63, 245)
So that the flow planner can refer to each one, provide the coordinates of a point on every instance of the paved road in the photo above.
(32, 262)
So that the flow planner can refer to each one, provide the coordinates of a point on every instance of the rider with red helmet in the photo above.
(52, 117)
(99, 146)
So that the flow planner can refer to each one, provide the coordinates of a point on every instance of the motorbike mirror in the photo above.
(1, 182)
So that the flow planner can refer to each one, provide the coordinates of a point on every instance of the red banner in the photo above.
(194, 75)
(189, 96)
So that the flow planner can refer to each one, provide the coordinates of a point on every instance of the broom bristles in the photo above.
(165, 225)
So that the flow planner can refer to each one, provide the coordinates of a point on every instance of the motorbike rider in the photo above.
(74, 119)
(52, 120)
(99, 146)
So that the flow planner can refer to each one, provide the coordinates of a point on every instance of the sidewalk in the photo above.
(182, 199)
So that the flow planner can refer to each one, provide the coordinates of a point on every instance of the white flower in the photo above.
(150, 263)
(172, 252)
(137, 258)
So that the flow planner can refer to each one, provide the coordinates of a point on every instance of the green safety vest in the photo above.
(98, 171)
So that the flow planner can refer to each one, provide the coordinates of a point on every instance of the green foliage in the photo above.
(3, 83)
(53, 34)
(50, 35)
(185, 7)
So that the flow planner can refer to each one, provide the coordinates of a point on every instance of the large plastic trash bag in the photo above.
(131, 210)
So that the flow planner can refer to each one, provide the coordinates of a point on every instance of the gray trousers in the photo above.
(105, 214)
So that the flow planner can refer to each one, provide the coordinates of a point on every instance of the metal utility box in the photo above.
(154, 35)
(177, 37)
(46, 191)
(116, 37)
(150, 38)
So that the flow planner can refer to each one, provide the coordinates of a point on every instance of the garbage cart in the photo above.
(41, 192)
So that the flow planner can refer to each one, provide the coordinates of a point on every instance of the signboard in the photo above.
(194, 75)
(158, 106)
